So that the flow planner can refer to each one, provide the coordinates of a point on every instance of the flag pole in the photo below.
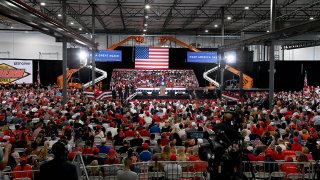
(38, 75)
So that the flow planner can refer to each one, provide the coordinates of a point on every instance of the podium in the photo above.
(162, 91)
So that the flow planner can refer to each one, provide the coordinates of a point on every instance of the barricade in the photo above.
(279, 170)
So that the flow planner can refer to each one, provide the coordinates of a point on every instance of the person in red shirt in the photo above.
(23, 166)
(87, 149)
(289, 168)
(144, 132)
(260, 130)
(296, 146)
(130, 132)
(164, 140)
(279, 154)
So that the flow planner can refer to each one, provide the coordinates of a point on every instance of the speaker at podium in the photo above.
(162, 90)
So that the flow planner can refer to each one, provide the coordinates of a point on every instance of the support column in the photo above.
(241, 84)
(271, 53)
(222, 64)
(64, 56)
(93, 62)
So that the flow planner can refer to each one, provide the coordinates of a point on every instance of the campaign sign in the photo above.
(109, 56)
(202, 57)
(16, 71)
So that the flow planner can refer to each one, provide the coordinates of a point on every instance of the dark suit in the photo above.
(58, 169)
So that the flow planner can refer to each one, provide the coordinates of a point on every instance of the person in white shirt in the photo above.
(172, 169)
(147, 118)
(112, 129)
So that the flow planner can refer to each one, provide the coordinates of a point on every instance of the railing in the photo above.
(280, 170)
(103, 76)
(23, 175)
(206, 77)
(152, 170)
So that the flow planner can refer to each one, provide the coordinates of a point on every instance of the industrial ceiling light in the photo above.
(229, 18)
(71, 23)
(246, 8)
(311, 18)
(206, 31)
(42, 3)
(147, 6)
(146, 25)
(216, 25)
(80, 29)
(144, 30)
(59, 15)
(11, 27)
(146, 17)
(268, 31)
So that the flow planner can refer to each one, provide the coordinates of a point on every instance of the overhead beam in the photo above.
(298, 45)
(284, 33)
(193, 13)
(22, 12)
(97, 14)
(264, 19)
(77, 17)
(169, 16)
(121, 15)
(217, 14)
(238, 17)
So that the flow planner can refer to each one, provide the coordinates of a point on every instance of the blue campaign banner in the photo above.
(109, 56)
(202, 57)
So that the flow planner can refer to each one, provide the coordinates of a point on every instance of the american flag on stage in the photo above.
(305, 79)
(306, 89)
(152, 58)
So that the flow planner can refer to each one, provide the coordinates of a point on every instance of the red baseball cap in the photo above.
(96, 151)
(173, 157)
(112, 152)
(145, 146)
(71, 155)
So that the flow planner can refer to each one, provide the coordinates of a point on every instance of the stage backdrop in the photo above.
(16, 71)
(289, 74)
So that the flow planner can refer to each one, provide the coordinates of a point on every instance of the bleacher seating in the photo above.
(152, 78)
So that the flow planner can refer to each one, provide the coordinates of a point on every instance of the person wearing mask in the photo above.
(59, 167)
(127, 174)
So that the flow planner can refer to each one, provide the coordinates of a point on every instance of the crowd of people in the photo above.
(115, 132)
(154, 78)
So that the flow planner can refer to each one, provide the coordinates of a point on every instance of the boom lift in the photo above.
(70, 72)
(247, 80)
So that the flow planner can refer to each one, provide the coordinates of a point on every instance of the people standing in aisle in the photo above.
(120, 91)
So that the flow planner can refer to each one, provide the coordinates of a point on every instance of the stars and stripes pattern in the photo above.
(151, 58)
(305, 79)
(306, 89)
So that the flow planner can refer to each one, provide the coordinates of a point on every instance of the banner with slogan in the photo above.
(202, 57)
(108, 56)
(16, 71)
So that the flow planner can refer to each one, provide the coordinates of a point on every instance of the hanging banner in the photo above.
(108, 56)
(16, 72)
(202, 57)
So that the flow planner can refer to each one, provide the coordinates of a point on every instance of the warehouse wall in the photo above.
(29, 45)
(261, 53)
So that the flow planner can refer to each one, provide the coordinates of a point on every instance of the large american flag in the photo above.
(152, 58)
